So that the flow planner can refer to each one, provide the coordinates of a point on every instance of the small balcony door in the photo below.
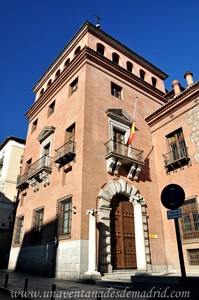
(118, 141)
(46, 154)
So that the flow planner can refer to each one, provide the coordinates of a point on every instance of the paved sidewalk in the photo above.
(142, 288)
(39, 287)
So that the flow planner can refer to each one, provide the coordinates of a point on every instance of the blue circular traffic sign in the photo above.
(172, 196)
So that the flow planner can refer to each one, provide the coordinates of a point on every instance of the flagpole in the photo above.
(131, 131)
(136, 100)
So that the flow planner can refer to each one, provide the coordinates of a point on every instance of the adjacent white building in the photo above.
(11, 155)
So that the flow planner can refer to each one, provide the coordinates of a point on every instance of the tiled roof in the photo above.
(174, 99)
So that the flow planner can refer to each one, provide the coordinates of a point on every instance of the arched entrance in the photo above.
(121, 188)
(123, 252)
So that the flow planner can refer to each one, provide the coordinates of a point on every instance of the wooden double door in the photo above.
(123, 253)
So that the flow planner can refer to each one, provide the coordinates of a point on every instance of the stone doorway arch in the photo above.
(109, 190)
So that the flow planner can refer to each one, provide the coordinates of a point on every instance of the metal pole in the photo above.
(26, 285)
(6, 280)
(180, 252)
(53, 291)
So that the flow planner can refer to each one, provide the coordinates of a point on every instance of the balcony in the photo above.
(118, 154)
(41, 166)
(22, 182)
(65, 154)
(177, 158)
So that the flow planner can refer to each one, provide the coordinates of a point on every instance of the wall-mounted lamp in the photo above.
(74, 210)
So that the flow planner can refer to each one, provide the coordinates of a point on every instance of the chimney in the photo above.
(189, 78)
(176, 87)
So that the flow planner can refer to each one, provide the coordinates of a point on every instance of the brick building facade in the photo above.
(90, 204)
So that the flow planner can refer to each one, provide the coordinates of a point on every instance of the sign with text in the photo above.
(174, 214)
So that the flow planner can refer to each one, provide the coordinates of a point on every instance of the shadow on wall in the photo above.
(7, 210)
(145, 172)
(39, 251)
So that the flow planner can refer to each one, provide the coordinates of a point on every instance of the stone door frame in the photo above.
(110, 189)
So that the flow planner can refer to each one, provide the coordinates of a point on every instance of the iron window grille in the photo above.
(190, 219)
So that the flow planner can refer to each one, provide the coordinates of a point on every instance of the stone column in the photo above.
(137, 201)
(92, 266)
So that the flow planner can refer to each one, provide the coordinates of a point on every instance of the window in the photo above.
(19, 230)
(77, 50)
(115, 58)
(142, 74)
(49, 82)
(42, 91)
(34, 125)
(64, 217)
(70, 133)
(37, 225)
(154, 81)
(67, 62)
(28, 164)
(118, 141)
(57, 73)
(177, 144)
(177, 157)
(100, 48)
(51, 108)
(73, 86)
(190, 219)
(193, 255)
(116, 90)
(129, 66)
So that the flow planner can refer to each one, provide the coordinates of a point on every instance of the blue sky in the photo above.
(33, 33)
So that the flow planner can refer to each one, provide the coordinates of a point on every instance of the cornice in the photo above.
(100, 61)
(89, 27)
(180, 100)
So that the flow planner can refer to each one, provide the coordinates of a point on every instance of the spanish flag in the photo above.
(131, 134)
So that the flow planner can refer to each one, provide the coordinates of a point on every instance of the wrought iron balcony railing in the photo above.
(65, 153)
(127, 153)
(176, 158)
(22, 182)
(42, 164)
